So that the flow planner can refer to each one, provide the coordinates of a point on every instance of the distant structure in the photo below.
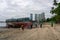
(36, 17)
(18, 20)
(19, 23)
(40, 17)
(31, 17)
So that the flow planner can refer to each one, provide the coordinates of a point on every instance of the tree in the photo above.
(48, 19)
(55, 2)
(56, 10)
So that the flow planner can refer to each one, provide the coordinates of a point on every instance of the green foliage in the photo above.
(52, 10)
(51, 19)
(55, 2)
(48, 19)
(57, 17)
(56, 11)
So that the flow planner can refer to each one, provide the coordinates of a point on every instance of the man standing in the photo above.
(41, 22)
(22, 26)
(51, 23)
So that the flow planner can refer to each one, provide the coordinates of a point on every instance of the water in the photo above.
(2, 24)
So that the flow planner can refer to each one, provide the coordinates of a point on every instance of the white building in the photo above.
(40, 17)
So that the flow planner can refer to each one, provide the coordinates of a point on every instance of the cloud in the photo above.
(2, 5)
(22, 8)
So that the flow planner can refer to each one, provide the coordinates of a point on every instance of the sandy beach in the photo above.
(45, 33)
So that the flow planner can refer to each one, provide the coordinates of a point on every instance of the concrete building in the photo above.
(40, 17)
(35, 17)
(31, 16)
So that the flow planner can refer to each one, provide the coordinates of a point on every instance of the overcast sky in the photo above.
(22, 8)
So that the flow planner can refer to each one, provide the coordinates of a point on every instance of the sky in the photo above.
(22, 8)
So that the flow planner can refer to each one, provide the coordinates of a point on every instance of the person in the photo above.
(41, 22)
(36, 24)
(31, 26)
(41, 25)
(22, 26)
(51, 23)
